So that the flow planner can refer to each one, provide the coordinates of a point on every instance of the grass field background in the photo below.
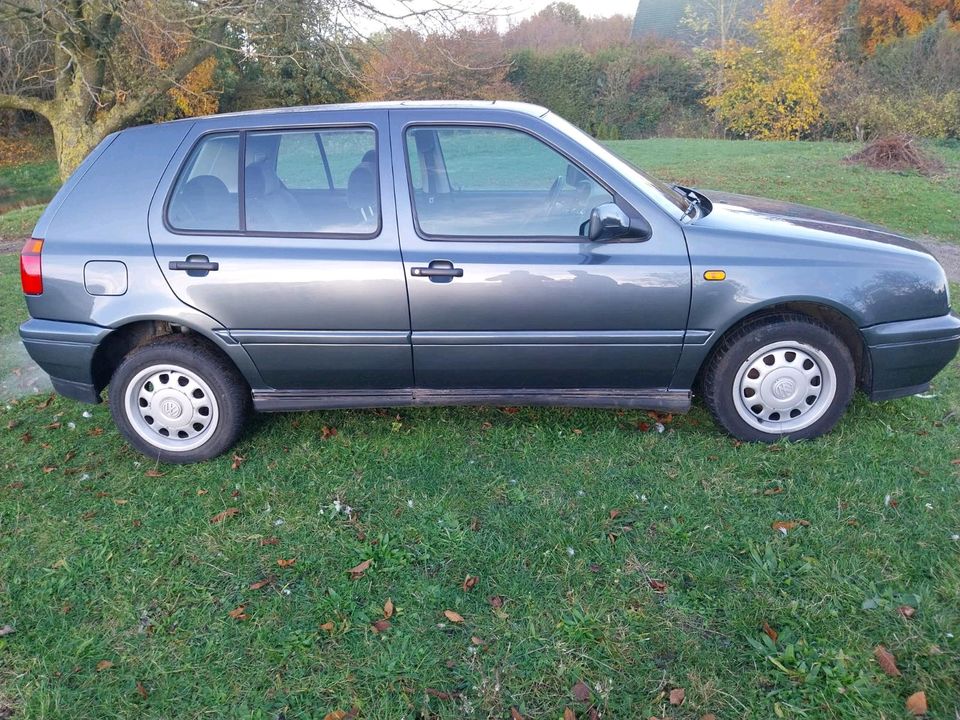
(614, 563)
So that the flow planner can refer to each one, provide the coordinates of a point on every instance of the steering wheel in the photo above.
(553, 197)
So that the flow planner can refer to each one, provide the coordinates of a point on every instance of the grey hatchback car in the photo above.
(398, 254)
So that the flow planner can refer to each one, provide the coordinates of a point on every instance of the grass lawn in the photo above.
(613, 564)
(26, 184)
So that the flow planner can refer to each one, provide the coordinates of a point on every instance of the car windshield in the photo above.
(669, 199)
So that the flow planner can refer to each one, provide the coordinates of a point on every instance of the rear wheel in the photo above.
(178, 400)
(782, 376)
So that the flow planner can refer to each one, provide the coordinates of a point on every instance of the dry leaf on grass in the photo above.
(141, 690)
(785, 525)
(771, 633)
(917, 703)
(327, 627)
(263, 583)
(7, 630)
(238, 613)
(104, 665)
(569, 714)
(469, 582)
(327, 432)
(581, 692)
(269, 541)
(496, 601)
(357, 572)
(221, 516)
(380, 626)
(906, 611)
(237, 462)
(153, 473)
(886, 661)
(286, 563)
(453, 617)
(388, 609)
(677, 696)
(515, 714)
(657, 585)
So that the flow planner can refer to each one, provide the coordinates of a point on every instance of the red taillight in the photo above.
(31, 278)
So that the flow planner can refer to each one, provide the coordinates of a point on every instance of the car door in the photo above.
(277, 227)
(505, 293)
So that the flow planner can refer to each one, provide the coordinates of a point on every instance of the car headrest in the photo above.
(362, 187)
(205, 188)
(370, 156)
(260, 181)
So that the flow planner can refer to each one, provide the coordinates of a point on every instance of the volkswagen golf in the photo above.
(396, 254)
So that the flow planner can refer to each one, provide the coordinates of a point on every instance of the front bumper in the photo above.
(905, 356)
(65, 350)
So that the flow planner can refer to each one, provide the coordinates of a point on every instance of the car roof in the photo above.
(469, 105)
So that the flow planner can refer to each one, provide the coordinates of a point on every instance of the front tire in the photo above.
(179, 401)
(781, 376)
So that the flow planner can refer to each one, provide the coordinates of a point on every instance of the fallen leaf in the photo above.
(515, 714)
(49, 468)
(7, 630)
(221, 516)
(327, 432)
(474, 524)
(238, 612)
(657, 585)
(11, 425)
(70, 455)
(286, 563)
(469, 582)
(341, 715)
(53, 426)
(26, 437)
(486, 425)
(886, 661)
(581, 692)
(440, 694)
(120, 501)
(46, 403)
(614, 514)
(327, 627)
(141, 690)
(569, 714)
(18, 485)
(496, 601)
(476, 640)
(709, 716)
(95, 432)
(771, 633)
(906, 611)
(201, 491)
(511, 410)
(773, 491)
(677, 696)
(259, 584)
(785, 525)
(269, 541)
(388, 609)
(380, 626)
(237, 462)
(577, 431)
(153, 473)
(917, 703)
(453, 617)
(104, 665)
(357, 572)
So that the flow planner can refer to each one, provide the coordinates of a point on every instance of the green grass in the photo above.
(20, 222)
(26, 184)
(566, 514)
(814, 174)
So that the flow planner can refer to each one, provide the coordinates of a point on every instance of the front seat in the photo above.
(362, 188)
(270, 206)
(205, 203)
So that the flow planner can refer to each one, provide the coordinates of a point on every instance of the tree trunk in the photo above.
(73, 140)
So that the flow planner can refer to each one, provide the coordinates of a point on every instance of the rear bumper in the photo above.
(905, 356)
(64, 351)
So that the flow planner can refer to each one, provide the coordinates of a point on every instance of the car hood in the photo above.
(762, 215)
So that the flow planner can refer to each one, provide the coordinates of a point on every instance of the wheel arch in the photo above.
(130, 335)
(836, 318)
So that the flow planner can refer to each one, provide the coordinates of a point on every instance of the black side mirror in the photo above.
(609, 222)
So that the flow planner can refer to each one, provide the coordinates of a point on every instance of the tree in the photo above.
(90, 67)
(466, 63)
(773, 88)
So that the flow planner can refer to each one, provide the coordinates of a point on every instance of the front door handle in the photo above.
(438, 271)
(195, 265)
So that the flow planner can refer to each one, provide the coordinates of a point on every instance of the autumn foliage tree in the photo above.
(772, 89)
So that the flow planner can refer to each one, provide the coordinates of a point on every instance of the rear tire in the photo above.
(178, 400)
(780, 376)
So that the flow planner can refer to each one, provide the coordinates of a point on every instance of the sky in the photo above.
(602, 8)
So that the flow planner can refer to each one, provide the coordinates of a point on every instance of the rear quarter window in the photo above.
(206, 194)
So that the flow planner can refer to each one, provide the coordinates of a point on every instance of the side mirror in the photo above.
(609, 222)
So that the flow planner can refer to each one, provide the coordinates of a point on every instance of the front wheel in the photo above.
(782, 376)
(178, 401)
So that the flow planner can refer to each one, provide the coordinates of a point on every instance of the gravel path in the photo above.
(947, 253)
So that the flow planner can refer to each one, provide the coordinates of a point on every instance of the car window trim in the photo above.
(429, 237)
(241, 189)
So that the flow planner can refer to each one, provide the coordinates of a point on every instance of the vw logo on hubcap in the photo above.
(783, 388)
(171, 408)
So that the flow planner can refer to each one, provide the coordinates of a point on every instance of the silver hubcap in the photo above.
(784, 387)
(171, 407)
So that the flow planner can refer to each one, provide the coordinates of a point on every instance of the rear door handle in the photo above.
(195, 265)
(441, 269)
